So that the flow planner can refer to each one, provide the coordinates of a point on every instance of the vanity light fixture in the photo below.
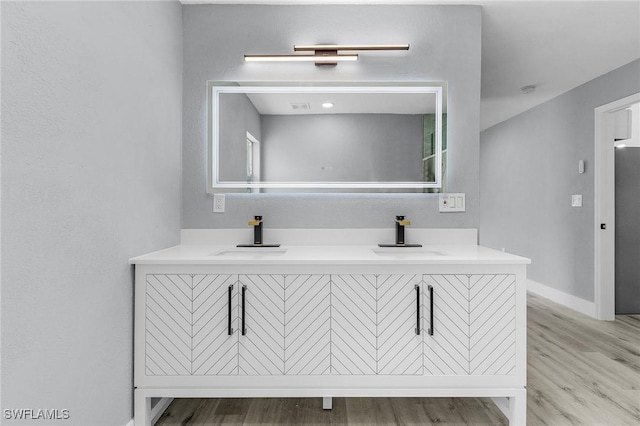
(324, 54)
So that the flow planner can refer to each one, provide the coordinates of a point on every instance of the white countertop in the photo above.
(328, 254)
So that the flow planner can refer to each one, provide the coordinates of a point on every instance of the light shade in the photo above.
(324, 54)
(336, 47)
(322, 59)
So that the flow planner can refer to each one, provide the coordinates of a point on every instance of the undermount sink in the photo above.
(251, 253)
(406, 252)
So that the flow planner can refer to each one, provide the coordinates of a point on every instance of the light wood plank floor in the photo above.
(580, 372)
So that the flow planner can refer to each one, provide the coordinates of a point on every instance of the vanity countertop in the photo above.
(449, 254)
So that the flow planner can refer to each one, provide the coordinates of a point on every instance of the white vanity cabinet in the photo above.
(307, 303)
(400, 324)
(471, 324)
(236, 324)
(274, 329)
(353, 324)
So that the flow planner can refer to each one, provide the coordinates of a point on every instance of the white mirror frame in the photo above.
(215, 89)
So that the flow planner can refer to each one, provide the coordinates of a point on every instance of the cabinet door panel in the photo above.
(307, 325)
(215, 352)
(446, 352)
(353, 324)
(399, 346)
(261, 349)
(492, 324)
(168, 325)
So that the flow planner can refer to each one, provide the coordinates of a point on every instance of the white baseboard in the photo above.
(565, 299)
(156, 411)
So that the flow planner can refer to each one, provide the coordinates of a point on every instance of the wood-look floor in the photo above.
(580, 372)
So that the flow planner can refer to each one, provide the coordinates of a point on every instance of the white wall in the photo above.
(528, 172)
(445, 46)
(91, 175)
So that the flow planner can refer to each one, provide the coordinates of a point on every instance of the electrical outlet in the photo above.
(452, 202)
(218, 203)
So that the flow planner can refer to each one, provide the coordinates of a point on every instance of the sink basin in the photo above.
(251, 253)
(404, 252)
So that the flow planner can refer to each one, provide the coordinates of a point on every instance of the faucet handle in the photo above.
(257, 220)
(403, 222)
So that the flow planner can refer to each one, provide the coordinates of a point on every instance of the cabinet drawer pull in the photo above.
(430, 331)
(229, 313)
(244, 291)
(417, 287)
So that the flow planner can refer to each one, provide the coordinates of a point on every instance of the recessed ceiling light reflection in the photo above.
(327, 105)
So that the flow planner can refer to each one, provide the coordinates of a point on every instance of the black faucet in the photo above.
(257, 230)
(257, 234)
(400, 224)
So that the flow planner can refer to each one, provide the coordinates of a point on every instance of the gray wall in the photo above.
(445, 46)
(237, 117)
(628, 230)
(528, 172)
(91, 175)
(342, 147)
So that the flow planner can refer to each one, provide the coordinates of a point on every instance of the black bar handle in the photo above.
(229, 328)
(430, 331)
(417, 288)
(244, 291)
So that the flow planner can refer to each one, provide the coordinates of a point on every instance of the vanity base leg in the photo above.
(518, 409)
(327, 403)
(141, 409)
(514, 407)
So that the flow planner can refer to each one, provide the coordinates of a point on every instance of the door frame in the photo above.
(604, 206)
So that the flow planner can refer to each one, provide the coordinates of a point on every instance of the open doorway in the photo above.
(253, 162)
(606, 132)
(627, 210)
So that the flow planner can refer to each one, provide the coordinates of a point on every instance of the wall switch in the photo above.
(218, 203)
(452, 202)
(576, 200)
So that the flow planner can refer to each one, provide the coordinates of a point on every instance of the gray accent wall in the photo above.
(237, 117)
(445, 46)
(342, 147)
(628, 230)
(528, 172)
(91, 176)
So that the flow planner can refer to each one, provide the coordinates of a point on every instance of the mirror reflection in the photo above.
(329, 138)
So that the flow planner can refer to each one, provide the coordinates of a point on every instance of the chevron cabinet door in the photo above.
(307, 325)
(214, 343)
(261, 327)
(168, 325)
(493, 324)
(399, 326)
(353, 324)
(446, 350)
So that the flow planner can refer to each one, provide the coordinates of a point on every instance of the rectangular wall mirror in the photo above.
(326, 137)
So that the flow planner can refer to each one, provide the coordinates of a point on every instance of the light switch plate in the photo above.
(218, 203)
(452, 202)
(576, 200)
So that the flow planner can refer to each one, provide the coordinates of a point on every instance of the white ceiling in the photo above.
(555, 45)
